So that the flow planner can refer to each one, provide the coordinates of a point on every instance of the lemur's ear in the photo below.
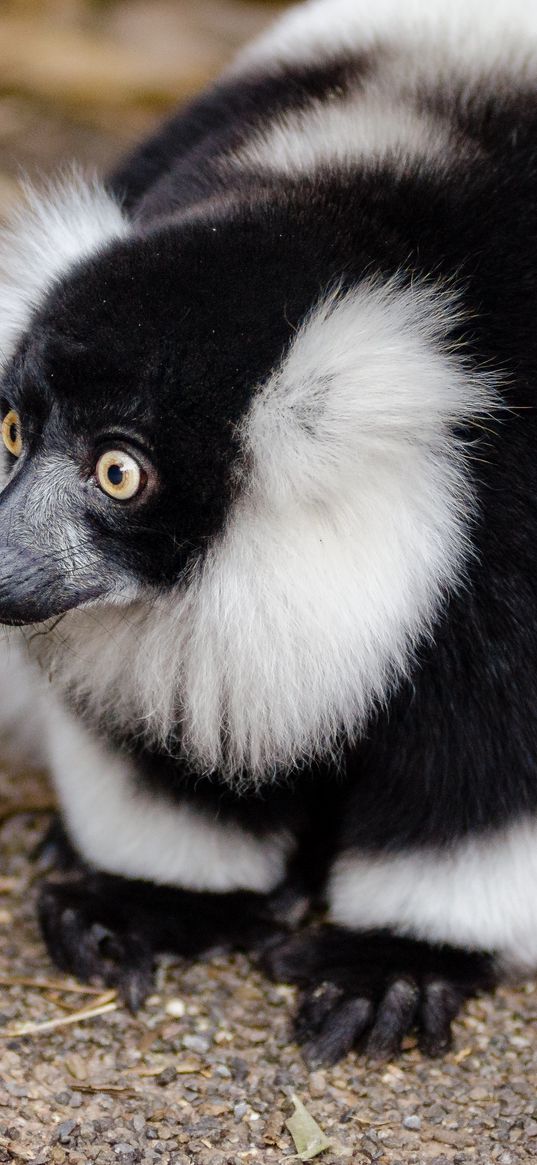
(51, 230)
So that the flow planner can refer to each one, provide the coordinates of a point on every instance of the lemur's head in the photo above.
(237, 467)
(123, 406)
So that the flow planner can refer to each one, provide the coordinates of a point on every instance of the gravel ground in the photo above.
(205, 1073)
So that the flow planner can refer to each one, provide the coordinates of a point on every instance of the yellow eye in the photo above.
(119, 475)
(11, 433)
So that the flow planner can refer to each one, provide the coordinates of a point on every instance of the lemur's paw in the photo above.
(371, 990)
(86, 939)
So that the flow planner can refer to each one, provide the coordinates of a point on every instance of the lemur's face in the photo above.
(121, 418)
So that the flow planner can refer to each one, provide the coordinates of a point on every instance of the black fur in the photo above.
(369, 990)
(179, 165)
(373, 989)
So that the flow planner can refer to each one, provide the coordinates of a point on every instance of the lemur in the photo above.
(269, 521)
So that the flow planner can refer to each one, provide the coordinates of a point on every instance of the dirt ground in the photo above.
(206, 1073)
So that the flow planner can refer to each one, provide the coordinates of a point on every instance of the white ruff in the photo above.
(124, 829)
(350, 526)
(48, 234)
(481, 893)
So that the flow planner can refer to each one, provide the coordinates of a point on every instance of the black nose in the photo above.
(32, 588)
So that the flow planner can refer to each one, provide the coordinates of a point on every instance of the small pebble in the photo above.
(478, 1093)
(257, 1035)
(62, 1098)
(167, 1076)
(124, 1150)
(176, 1008)
(65, 1130)
(412, 1122)
(222, 1070)
(240, 1110)
(196, 1044)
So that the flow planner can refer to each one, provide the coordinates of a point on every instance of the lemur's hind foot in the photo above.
(371, 990)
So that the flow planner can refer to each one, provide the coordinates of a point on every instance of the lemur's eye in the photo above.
(12, 433)
(119, 475)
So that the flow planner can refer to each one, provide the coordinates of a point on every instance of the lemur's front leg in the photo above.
(111, 928)
(163, 872)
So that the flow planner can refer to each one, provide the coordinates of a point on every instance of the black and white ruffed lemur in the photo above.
(268, 402)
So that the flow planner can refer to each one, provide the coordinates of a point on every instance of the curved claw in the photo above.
(84, 943)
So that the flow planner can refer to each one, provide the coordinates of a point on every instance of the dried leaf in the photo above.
(308, 1137)
(112, 1089)
(77, 1067)
(462, 1055)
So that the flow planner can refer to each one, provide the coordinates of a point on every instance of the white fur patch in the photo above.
(467, 34)
(350, 528)
(122, 828)
(480, 893)
(412, 51)
(372, 126)
(52, 230)
(23, 710)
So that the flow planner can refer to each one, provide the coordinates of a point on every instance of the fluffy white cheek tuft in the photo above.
(350, 528)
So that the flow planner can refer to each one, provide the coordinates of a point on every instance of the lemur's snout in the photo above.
(31, 586)
(45, 566)
(25, 582)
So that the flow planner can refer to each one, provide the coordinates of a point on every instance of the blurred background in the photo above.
(83, 79)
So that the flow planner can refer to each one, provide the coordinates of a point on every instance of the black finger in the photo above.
(395, 1016)
(342, 1029)
(439, 1005)
(135, 977)
(49, 910)
(314, 1008)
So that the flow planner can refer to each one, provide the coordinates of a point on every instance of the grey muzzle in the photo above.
(33, 588)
